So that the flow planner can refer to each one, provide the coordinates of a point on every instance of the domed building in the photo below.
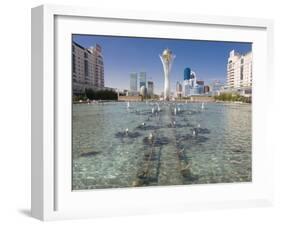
(143, 91)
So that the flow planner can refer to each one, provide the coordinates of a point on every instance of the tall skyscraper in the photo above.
(186, 73)
(87, 68)
(150, 87)
(142, 79)
(98, 67)
(167, 58)
(239, 70)
(134, 82)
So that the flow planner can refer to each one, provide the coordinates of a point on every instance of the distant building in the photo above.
(200, 85)
(134, 82)
(202, 98)
(179, 89)
(192, 86)
(133, 85)
(206, 89)
(87, 68)
(150, 88)
(143, 91)
(216, 87)
(239, 70)
(129, 98)
(142, 78)
(187, 74)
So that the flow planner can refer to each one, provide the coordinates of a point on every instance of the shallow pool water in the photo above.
(150, 144)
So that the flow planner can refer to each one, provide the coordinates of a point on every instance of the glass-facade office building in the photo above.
(187, 74)
(134, 82)
(142, 79)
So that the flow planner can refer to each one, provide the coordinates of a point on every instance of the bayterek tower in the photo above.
(167, 58)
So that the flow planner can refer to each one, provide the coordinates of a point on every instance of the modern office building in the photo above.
(216, 87)
(206, 89)
(239, 70)
(178, 89)
(134, 82)
(187, 73)
(192, 86)
(200, 86)
(150, 88)
(87, 68)
(142, 78)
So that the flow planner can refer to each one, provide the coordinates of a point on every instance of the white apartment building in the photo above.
(87, 68)
(239, 70)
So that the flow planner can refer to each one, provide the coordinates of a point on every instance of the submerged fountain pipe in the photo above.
(167, 59)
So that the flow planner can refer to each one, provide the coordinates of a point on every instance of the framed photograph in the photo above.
(137, 112)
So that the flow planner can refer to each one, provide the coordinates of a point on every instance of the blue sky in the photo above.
(123, 55)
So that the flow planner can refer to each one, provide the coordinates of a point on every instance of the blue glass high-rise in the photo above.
(187, 73)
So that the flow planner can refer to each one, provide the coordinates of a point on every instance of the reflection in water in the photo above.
(119, 146)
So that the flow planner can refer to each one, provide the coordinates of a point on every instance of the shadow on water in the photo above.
(89, 153)
(127, 134)
(147, 127)
(157, 141)
(148, 176)
(142, 112)
(200, 130)
(127, 137)
(177, 125)
(190, 178)
(188, 138)
(153, 157)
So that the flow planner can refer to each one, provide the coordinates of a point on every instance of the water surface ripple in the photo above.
(115, 146)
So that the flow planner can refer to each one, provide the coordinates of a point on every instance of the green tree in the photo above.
(101, 94)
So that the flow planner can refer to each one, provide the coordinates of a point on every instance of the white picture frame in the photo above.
(51, 196)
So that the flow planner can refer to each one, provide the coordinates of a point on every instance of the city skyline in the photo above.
(124, 55)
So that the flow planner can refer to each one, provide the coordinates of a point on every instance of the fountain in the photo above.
(202, 106)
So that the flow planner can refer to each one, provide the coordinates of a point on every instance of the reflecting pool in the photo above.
(116, 144)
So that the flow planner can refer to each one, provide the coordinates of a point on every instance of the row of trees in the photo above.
(101, 94)
(96, 95)
(233, 97)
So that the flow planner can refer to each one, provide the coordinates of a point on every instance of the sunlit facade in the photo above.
(239, 70)
(167, 58)
(87, 68)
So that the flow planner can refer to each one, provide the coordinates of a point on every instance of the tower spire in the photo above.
(167, 58)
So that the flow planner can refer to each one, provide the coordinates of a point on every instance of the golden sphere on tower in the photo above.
(167, 54)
